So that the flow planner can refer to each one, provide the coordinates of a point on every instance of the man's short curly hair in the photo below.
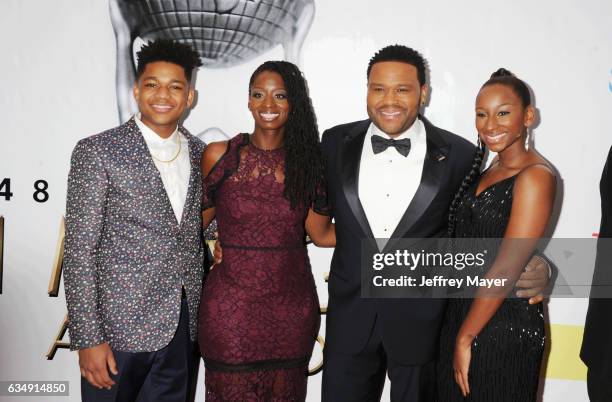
(168, 51)
(402, 54)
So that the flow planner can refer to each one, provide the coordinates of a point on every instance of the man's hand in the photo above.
(95, 363)
(534, 280)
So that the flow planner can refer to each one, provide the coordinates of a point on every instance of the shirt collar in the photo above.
(151, 136)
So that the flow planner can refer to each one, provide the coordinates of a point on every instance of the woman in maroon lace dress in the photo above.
(259, 312)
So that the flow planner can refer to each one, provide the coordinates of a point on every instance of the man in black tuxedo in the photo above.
(597, 342)
(393, 175)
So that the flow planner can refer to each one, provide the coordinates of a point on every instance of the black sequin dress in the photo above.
(507, 354)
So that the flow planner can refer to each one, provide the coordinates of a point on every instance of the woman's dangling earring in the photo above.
(527, 140)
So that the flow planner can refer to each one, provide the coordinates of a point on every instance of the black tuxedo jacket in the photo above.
(410, 327)
(597, 342)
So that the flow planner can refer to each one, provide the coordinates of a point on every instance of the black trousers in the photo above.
(361, 377)
(599, 387)
(166, 375)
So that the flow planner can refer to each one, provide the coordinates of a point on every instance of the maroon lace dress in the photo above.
(259, 312)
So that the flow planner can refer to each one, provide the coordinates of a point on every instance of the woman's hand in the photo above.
(218, 253)
(461, 362)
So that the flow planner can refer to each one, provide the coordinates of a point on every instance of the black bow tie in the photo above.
(379, 144)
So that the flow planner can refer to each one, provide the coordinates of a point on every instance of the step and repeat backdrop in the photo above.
(67, 73)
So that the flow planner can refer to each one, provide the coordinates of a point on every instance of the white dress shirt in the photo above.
(388, 180)
(175, 174)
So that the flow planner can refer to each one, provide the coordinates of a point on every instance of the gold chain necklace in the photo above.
(178, 141)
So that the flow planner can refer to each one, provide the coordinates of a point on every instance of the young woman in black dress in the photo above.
(491, 347)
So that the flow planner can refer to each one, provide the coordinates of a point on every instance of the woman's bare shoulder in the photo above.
(212, 154)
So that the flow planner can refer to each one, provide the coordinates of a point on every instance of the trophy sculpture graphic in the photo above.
(225, 32)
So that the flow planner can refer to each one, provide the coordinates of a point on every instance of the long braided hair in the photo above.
(469, 178)
(303, 157)
(502, 77)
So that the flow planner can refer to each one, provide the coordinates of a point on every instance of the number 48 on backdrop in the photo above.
(40, 190)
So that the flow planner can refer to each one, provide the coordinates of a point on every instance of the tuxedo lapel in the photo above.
(145, 163)
(349, 160)
(194, 160)
(434, 169)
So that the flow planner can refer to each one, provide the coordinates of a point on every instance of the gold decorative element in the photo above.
(58, 343)
(316, 369)
(211, 246)
(58, 261)
(1, 251)
(323, 309)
